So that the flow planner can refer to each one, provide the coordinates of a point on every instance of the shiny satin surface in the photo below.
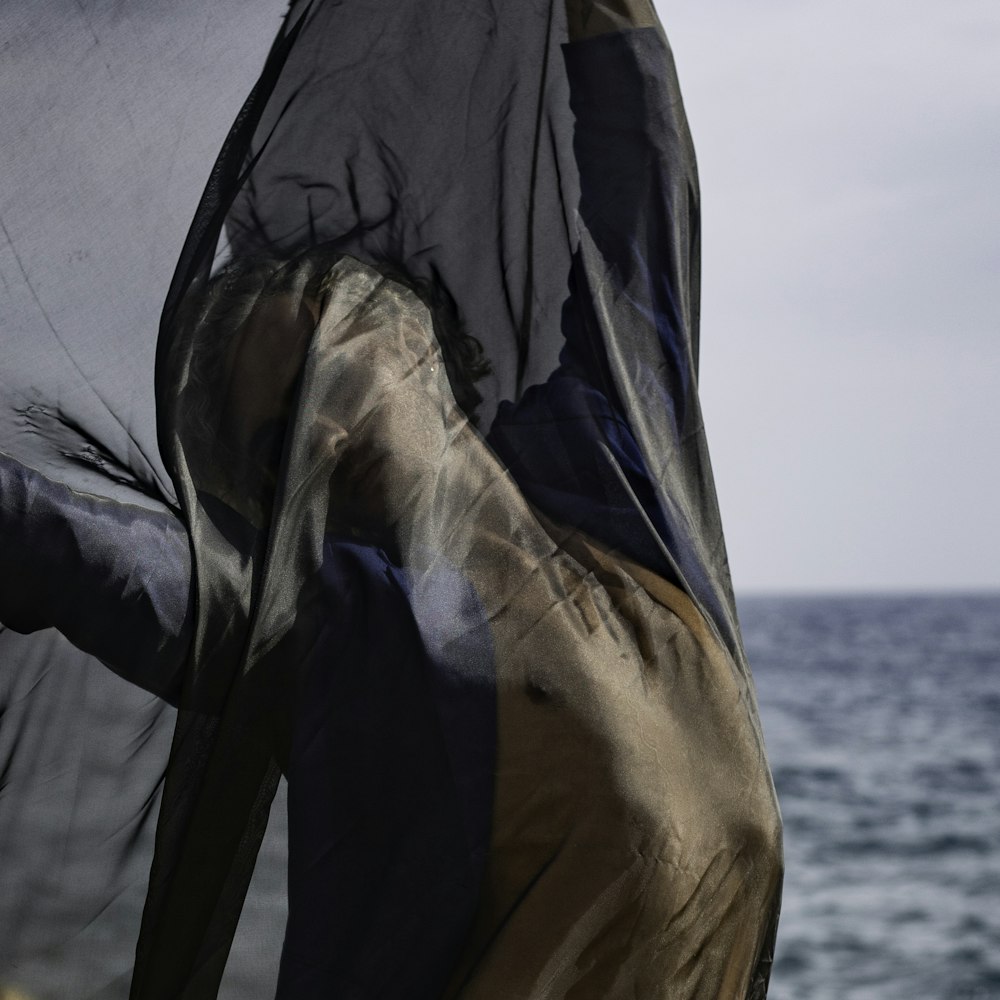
(635, 839)
(127, 559)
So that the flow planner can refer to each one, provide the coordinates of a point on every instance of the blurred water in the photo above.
(881, 716)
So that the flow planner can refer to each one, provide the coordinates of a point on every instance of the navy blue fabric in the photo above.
(569, 442)
(389, 782)
(112, 577)
(556, 442)
(562, 439)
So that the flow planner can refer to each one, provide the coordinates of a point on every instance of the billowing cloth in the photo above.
(110, 119)
(483, 624)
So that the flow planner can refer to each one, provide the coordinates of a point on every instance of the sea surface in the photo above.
(882, 721)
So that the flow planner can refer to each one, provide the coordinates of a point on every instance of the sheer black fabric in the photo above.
(110, 117)
(434, 535)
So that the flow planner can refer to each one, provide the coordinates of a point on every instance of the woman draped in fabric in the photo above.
(491, 645)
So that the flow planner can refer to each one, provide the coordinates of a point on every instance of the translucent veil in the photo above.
(468, 233)
(110, 119)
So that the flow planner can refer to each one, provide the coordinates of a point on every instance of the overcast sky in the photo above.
(850, 165)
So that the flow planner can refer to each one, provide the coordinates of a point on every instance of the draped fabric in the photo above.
(110, 117)
(434, 536)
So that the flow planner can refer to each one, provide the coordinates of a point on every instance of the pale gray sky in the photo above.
(850, 165)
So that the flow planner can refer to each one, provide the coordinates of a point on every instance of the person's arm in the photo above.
(632, 320)
(639, 198)
(114, 578)
(571, 443)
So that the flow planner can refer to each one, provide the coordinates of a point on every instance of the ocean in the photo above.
(882, 721)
